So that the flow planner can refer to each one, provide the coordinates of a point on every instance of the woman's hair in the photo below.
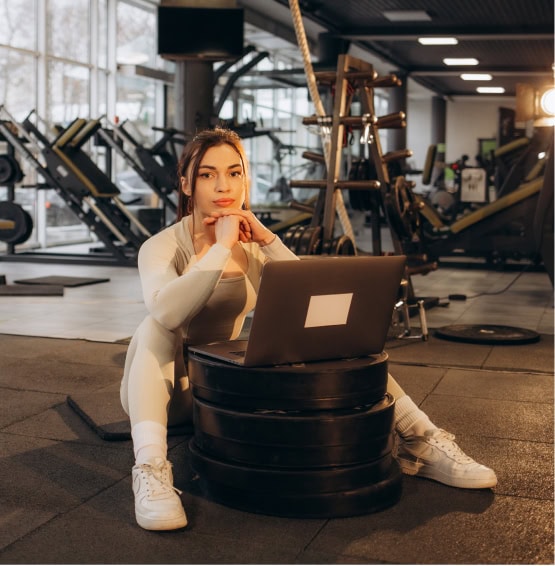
(192, 155)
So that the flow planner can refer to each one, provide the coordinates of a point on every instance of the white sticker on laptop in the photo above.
(328, 310)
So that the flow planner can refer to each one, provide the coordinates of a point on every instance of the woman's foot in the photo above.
(157, 503)
(437, 456)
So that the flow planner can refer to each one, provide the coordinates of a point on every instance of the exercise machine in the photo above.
(85, 189)
(497, 231)
(155, 165)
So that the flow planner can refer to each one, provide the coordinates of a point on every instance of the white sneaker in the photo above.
(157, 503)
(437, 456)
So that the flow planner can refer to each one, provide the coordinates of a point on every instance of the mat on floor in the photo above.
(62, 280)
(102, 411)
(34, 290)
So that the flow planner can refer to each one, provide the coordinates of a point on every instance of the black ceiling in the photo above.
(512, 39)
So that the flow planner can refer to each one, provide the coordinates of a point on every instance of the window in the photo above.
(18, 27)
(68, 29)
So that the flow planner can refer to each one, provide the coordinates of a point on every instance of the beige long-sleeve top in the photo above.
(180, 290)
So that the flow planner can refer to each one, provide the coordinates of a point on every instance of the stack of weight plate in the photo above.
(308, 440)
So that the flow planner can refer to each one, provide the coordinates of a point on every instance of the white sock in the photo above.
(409, 419)
(149, 441)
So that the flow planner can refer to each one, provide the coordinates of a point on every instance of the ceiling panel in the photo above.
(512, 39)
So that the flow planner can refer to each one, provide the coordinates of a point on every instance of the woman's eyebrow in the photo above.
(213, 167)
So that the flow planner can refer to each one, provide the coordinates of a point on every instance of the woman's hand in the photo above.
(227, 229)
(250, 228)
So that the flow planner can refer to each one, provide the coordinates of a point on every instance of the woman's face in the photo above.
(220, 181)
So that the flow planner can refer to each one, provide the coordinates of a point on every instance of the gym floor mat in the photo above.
(63, 280)
(31, 290)
(102, 411)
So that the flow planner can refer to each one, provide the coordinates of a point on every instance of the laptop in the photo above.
(321, 308)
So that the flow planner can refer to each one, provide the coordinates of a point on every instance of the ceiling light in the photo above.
(407, 16)
(476, 77)
(461, 61)
(547, 101)
(490, 89)
(438, 40)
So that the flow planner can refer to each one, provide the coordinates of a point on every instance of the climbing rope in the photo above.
(320, 111)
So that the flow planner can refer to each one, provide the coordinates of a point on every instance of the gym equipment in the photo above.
(487, 334)
(369, 179)
(16, 224)
(297, 438)
(331, 156)
(314, 494)
(63, 280)
(323, 385)
(513, 163)
(10, 171)
(543, 217)
(86, 190)
(353, 77)
(497, 231)
(317, 436)
(501, 230)
(17, 290)
(155, 165)
(235, 75)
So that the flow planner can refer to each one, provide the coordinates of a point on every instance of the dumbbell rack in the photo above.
(352, 76)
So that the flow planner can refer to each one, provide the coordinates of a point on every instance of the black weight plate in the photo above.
(10, 171)
(294, 428)
(348, 503)
(12, 211)
(289, 481)
(343, 245)
(487, 334)
(297, 237)
(7, 170)
(28, 228)
(334, 384)
(309, 242)
(302, 245)
(295, 438)
(288, 236)
(295, 456)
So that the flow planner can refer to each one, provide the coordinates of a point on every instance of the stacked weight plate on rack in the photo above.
(307, 440)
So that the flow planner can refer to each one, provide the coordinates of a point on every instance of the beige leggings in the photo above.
(154, 364)
(155, 386)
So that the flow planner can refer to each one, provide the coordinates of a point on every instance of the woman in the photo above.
(200, 278)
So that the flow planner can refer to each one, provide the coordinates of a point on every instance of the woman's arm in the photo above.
(252, 230)
(276, 250)
(170, 297)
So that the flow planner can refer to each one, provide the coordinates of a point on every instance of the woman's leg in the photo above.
(409, 419)
(146, 392)
(428, 451)
(181, 405)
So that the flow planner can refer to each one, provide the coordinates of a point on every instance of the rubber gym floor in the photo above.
(66, 481)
